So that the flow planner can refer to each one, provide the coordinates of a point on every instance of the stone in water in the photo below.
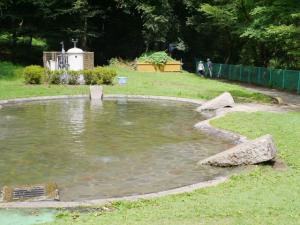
(96, 92)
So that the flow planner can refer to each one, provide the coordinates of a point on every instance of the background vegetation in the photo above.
(258, 32)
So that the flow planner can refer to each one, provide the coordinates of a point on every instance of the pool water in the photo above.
(26, 216)
(117, 148)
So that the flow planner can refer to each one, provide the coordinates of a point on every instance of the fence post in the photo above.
(283, 78)
(248, 74)
(298, 89)
(270, 80)
(220, 68)
(241, 67)
(259, 75)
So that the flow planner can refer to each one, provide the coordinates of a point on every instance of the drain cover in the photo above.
(30, 193)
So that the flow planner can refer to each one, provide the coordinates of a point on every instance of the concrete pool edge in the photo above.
(109, 96)
(99, 202)
(204, 126)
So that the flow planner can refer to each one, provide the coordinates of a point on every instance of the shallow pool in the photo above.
(92, 150)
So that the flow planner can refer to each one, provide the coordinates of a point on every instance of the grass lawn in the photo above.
(184, 84)
(262, 196)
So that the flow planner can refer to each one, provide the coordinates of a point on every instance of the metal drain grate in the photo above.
(30, 193)
(19, 193)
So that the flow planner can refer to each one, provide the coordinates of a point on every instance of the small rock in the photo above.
(251, 152)
(278, 100)
(223, 100)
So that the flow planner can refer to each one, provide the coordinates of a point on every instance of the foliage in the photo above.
(156, 58)
(266, 30)
(73, 77)
(10, 71)
(34, 74)
(54, 77)
(57, 77)
(233, 31)
(118, 62)
(108, 75)
(99, 75)
(89, 77)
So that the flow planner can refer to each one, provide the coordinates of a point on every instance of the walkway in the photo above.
(290, 101)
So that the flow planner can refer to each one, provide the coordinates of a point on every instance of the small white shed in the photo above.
(75, 59)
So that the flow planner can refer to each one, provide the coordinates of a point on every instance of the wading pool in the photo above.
(92, 150)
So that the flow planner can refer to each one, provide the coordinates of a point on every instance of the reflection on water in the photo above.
(93, 151)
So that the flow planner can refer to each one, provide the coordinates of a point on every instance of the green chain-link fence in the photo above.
(267, 77)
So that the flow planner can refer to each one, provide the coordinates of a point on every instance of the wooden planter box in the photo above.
(175, 66)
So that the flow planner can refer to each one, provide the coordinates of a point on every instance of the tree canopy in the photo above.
(253, 32)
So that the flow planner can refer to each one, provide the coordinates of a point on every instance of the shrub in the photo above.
(54, 76)
(107, 75)
(89, 77)
(57, 77)
(99, 75)
(115, 62)
(119, 62)
(156, 58)
(73, 78)
(34, 74)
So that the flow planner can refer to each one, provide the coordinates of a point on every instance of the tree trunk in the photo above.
(14, 46)
(84, 38)
(229, 47)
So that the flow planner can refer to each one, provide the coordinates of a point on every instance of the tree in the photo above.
(266, 31)
(157, 20)
(83, 11)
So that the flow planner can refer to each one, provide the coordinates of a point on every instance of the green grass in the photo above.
(262, 196)
(185, 85)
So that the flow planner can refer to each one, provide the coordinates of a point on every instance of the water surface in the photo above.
(113, 149)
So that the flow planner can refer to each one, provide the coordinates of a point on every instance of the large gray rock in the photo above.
(96, 92)
(223, 100)
(251, 152)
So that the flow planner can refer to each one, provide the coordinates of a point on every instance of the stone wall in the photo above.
(88, 60)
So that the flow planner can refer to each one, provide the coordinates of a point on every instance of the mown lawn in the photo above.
(262, 196)
(184, 84)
